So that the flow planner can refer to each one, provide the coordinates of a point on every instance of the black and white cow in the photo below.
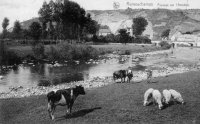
(129, 74)
(62, 98)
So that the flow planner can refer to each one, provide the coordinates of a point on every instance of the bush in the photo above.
(38, 51)
(53, 54)
(8, 57)
(142, 39)
(72, 52)
(44, 83)
(165, 45)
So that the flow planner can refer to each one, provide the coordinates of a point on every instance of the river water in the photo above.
(28, 75)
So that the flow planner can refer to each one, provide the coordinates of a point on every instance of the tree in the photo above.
(165, 33)
(91, 26)
(139, 25)
(5, 25)
(68, 18)
(17, 30)
(124, 36)
(2, 47)
(35, 31)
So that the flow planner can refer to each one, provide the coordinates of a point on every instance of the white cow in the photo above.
(176, 95)
(166, 96)
(157, 98)
(147, 96)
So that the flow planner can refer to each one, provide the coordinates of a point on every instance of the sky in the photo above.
(26, 9)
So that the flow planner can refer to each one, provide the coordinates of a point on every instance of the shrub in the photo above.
(56, 81)
(127, 52)
(44, 83)
(72, 52)
(165, 45)
(53, 54)
(8, 57)
(142, 39)
(38, 51)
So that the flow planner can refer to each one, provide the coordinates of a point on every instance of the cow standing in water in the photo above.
(62, 98)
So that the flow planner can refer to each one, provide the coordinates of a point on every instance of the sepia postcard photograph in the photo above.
(99, 62)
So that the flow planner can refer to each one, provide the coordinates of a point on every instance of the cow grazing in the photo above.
(129, 74)
(166, 96)
(62, 98)
(176, 96)
(157, 98)
(148, 96)
(120, 74)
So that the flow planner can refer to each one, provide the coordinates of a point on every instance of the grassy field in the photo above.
(132, 48)
(117, 103)
(27, 50)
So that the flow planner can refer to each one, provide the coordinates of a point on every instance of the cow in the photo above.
(120, 74)
(129, 74)
(63, 97)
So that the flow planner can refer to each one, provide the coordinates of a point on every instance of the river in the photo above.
(28, 74)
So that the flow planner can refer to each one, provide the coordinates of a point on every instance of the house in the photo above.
(180, 38)
(104, 32)
(127, 24)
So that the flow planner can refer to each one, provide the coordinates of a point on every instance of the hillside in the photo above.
(27, 23)
(158, 19)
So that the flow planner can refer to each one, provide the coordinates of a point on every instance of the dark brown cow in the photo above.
(122, 74)
(63, 97)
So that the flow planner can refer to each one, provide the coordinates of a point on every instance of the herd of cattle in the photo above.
(67, 96)
(122, 74)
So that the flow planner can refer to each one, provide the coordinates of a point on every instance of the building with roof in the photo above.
(103, 32)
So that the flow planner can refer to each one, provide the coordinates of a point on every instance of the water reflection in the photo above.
(27, 75)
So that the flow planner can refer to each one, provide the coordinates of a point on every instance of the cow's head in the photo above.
(80, 90)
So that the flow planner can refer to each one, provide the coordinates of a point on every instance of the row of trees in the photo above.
(66, 20)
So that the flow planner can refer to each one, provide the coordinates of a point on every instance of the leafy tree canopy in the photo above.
(139, 25)
(165, 33)
(35, 30)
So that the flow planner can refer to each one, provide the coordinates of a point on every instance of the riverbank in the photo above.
(17, 92)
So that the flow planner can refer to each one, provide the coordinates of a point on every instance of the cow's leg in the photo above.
(70, 107)
(67, 109)
(51, 112)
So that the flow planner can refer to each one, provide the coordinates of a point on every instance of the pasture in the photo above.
(117, 103)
